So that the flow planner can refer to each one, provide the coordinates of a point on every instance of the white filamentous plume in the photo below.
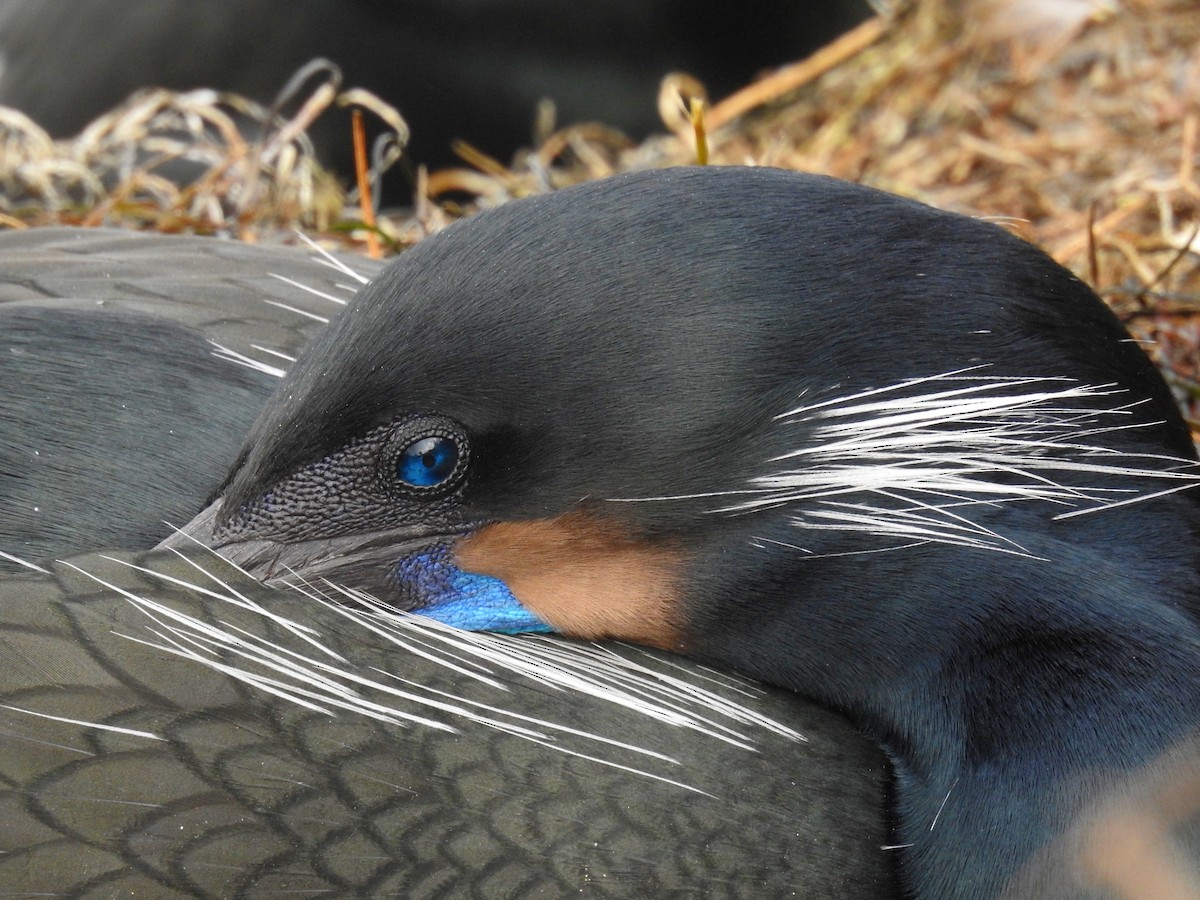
(911, 461)
(230, 355)
(324, 258)
(312, 675)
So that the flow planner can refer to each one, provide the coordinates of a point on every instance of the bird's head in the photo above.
(565, 412)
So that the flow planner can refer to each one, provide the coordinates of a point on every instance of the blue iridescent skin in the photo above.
(463, 599)
(445, 592)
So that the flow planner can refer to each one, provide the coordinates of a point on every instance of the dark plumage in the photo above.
(227, 790)
(223, 784)
(117, 414)
(894, 459)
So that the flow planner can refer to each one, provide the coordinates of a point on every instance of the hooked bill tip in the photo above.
(199, 531)
(438, 589)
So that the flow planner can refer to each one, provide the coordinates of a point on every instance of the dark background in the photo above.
(471, 69)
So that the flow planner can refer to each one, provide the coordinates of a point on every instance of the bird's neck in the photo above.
(1008, 760)
(1016, 699)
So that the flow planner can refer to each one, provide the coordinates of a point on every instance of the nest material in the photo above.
(1074, 121)
(197, 161)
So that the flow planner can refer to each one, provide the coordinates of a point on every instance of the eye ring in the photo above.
(425, 454)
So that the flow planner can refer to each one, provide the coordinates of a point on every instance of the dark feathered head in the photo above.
(639, 403)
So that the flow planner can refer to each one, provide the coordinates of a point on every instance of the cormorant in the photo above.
(171, 726)
(894, 459)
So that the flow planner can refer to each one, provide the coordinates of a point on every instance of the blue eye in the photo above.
(427, 462)
(423, 453)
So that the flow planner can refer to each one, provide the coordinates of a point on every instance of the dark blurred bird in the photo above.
(891, 458)
(117, 412)
(168, 725)
(455, 68)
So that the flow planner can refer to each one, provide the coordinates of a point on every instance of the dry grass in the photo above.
(198, 161)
